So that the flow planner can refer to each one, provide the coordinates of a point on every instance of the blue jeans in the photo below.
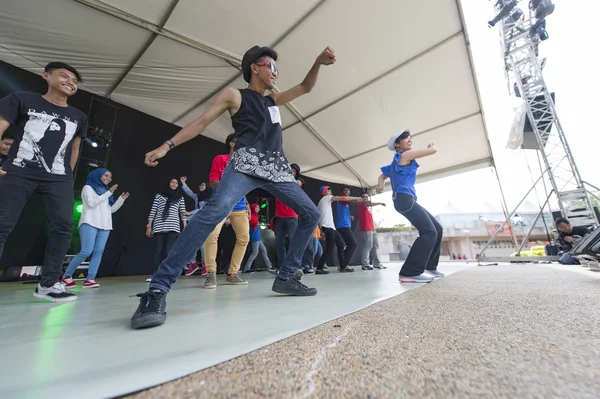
(284, 227)
(233, 186)
(313, 249)
(567, 259)
(93, 241)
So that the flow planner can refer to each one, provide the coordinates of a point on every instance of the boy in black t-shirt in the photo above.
(47, 133)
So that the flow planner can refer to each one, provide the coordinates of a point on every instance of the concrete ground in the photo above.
(509, 331)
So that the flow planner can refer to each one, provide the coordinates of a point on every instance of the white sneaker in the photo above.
(416, 279)
(56, 293)
(435, 273)
(149, 279)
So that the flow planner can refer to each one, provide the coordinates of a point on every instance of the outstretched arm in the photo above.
(409, 155)
(229, 99)
(327, 57)
(369, 203)
(346, 199)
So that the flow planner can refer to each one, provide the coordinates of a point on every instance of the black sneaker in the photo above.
(345, 269)
(293, 286)
(56, 293)
(151, 312)
(367, 267)
(322, 271)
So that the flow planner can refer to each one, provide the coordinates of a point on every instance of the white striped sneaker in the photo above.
(416, 279)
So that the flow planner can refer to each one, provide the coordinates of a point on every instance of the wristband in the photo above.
(170, 144)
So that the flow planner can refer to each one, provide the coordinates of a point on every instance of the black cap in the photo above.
(297, 168)
(254, 54)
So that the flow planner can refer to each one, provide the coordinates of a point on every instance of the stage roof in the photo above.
(401, 64)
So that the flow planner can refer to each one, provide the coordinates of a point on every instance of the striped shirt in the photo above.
(171, 222)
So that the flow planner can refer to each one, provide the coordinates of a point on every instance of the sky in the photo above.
(569, 72)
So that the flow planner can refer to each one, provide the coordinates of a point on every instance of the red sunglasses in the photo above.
(271, 66)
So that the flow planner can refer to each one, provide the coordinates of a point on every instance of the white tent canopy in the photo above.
(401, 64)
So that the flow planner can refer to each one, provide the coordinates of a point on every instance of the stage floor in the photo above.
(86, 349)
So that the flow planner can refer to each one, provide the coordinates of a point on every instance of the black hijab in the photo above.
(171, 196)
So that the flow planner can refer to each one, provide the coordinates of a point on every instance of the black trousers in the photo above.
(332, 239)
(164, 244)
(425, 252)
(58, 197)
(350, 241)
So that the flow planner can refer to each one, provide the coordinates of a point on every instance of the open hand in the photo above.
(151, 157)
(113, 188)
(327, 57)
(124, 196)
(569, 239)
(148, 231)
(2, 172)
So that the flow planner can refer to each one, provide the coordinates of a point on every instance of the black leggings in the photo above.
(332, 239)
(425, 252)
(164, 243)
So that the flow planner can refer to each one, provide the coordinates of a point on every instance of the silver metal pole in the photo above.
(511, 214)
(533, 224)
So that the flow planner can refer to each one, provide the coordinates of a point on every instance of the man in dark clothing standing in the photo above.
(567, 237)
(258, 162)
(42, 159)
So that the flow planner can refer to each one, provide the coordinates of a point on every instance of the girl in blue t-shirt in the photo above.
(255, 241)
(402, 172)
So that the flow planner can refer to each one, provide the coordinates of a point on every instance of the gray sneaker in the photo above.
(211, 281)
(435, 273)
(234, 279)
(416, 279)
(380, 266)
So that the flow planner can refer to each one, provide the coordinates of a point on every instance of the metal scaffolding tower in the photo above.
(525, 79)
(522, 32)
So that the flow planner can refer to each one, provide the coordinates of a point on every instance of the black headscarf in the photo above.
(205, 195)
(171, 196)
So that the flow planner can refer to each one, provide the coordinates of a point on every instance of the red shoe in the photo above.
(90, 284)
(192, 267)
(204, 272)
(68, 282)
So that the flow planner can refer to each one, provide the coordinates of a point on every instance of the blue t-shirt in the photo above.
(342, 216)
(255, 234)
(402, 177)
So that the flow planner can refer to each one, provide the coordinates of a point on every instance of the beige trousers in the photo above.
(241, 226)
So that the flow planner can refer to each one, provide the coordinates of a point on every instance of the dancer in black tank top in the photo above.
(258, 162)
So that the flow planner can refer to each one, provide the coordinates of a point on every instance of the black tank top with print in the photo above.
(259, 150)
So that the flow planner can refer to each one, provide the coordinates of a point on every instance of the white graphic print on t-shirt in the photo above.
(45, 141)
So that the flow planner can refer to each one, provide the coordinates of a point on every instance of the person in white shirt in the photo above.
(95, 224)
(332, 237)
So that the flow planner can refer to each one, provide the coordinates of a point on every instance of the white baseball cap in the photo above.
(395, 136)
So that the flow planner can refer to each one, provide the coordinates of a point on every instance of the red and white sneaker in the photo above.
(90, 284)
(68, 282)
(204, 272)
(192, 268)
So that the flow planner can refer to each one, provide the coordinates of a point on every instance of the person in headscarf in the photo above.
(168, 209)
(255, 240)
(95, 224)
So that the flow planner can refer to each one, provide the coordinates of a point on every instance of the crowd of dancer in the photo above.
(46, 149)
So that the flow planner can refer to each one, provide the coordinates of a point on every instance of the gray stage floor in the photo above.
(86, 349)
